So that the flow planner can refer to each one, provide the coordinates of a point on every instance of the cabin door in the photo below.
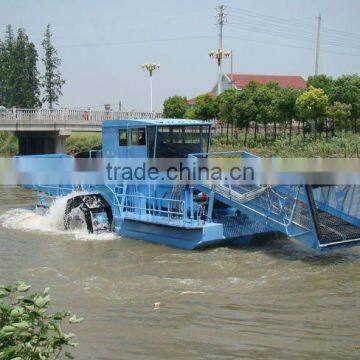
(137, 142)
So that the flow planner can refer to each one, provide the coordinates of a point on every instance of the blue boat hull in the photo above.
(187, 239)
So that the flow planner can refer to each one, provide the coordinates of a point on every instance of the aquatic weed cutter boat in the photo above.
(200, 215)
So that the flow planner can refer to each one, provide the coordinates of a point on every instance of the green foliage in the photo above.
(19, 76)
(189, 113)
(226, 102)
(347, 91)
(265, 101)
(8, 144)
(6, 73)
(175, 107)
(20, 85)
(324, 82)
(27, 330)
(312, 103)
(340, 113)
(82, 142)
(52, 80)
(205, 107)
(2, 72)
(285, 103)
(245, 109)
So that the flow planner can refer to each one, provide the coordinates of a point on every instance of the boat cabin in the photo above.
(155, 138)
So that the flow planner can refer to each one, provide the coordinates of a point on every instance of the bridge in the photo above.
(42, 131)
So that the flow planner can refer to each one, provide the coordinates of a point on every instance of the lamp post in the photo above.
(151, 68)
(219, 55)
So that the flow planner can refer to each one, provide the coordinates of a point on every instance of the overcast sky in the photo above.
(102, 43)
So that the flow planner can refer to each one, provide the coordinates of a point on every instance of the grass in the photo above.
(343, 145)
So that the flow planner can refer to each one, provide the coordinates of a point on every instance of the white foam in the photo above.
(51, 222)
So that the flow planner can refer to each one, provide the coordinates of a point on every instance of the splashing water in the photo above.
(52, 221)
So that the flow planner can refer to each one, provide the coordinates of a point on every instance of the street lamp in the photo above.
(151, 68)
(219, 55)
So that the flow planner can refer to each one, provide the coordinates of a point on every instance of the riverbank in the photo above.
(342, 145)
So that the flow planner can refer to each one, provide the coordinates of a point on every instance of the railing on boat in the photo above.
(155, 209)
(53, 191)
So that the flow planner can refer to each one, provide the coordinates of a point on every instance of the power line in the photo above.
(296, 30)
(294, 21)
(283, 34)
(137, 41)
(286, 45)
(268, 31)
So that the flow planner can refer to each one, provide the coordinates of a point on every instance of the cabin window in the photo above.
(205, 132)
(193, 135)
(138, 137)
(179, 141)
(123, 138)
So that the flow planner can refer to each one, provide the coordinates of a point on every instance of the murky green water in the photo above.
(273, 300)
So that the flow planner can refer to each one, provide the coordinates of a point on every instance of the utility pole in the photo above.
(220, 53)
(221, 19)
(318, 45)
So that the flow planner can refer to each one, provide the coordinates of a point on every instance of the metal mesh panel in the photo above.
(338, 212)
(333, 229)
(240, 225)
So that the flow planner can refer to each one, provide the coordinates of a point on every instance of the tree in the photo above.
(7, 70)
(21, 77)
(2, 73)
(323, 82)
(347, 91)
(267, 113)
(250, 106)
(285, 103)
(175, 107)
(205, 107)
(312, 104)
(244, 110)
(52, 80)
(32, 84)
(340, 114)
(226, 102)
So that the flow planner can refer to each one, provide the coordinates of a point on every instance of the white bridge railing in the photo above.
(68, 116)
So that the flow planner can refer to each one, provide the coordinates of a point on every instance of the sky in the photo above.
(102, 43)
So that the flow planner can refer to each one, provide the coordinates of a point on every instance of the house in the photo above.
(238, 81)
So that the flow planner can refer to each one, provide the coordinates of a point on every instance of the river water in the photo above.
(272, 300)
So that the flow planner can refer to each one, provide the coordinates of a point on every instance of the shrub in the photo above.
(8, 144)
(82, 142)
(27, 330)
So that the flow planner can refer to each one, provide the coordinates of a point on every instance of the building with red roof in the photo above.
(238, 81)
